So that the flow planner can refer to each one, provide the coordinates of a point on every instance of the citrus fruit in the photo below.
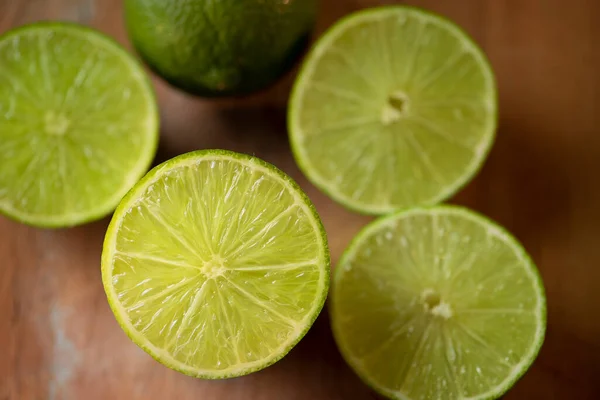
(219, 48)
(437, 303)
(394, 107)
(216, 264)
(78, 124)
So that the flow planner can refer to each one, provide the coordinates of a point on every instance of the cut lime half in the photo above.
(394, 107)
(216, 264)
(437, 303)
(78, 124)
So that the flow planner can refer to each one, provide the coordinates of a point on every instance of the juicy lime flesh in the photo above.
(438, 303)
(216, 265)
(77, 124)
(394, 107)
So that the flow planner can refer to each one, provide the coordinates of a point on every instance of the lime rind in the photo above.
(252, 43)
(163, 356)
(307, 69)
(541, 311)
(146, 154)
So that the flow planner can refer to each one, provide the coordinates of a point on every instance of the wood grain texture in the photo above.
(59, 340)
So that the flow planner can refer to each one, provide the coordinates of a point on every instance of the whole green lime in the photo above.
(220, 47)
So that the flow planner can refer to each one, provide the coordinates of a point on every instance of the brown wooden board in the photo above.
(59, 340)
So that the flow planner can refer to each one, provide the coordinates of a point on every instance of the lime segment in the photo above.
(78, 124)
(216, 264)
(438, 303)
(394, 107)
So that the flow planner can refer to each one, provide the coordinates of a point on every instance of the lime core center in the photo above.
(395, 107)
(213, 268)
(433, 303)
(56, 124)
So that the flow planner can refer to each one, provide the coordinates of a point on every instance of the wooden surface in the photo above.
(59, 340)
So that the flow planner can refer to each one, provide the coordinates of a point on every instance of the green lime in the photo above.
(216, 264)
(394, 107)
(437, 303)
(78, 124)
(219, 48)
